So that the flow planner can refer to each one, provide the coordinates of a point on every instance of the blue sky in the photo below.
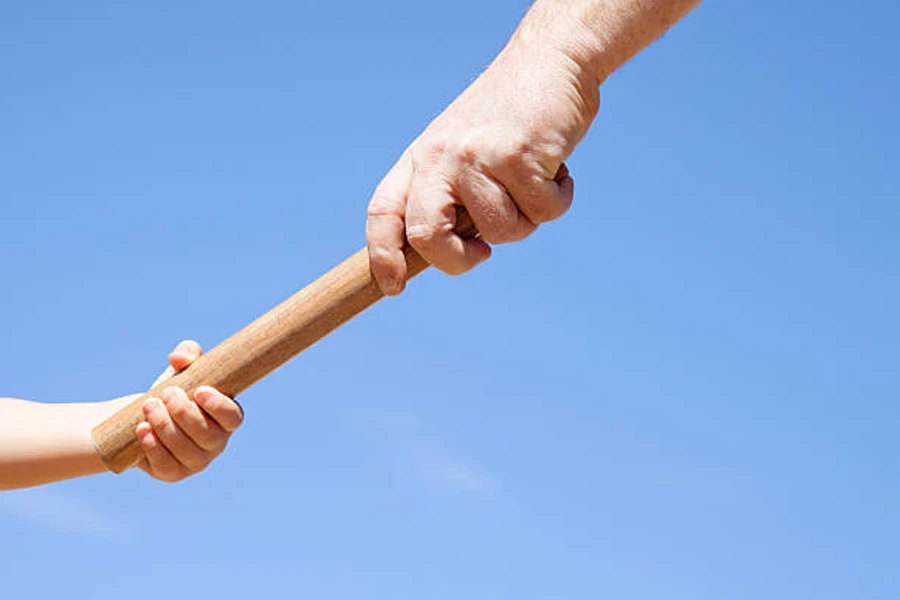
(685, 388)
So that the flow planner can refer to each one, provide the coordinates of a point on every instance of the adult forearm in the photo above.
(42, 443)
(600, 35)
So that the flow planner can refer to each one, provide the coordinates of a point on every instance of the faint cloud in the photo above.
(421, 450)
(64, 513)
(442, 470)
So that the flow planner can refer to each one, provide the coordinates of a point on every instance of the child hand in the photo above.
(182, 436)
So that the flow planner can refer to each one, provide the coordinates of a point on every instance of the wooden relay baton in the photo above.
(264, 345)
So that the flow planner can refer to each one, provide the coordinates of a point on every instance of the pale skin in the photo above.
(42, 443)
(499, 149)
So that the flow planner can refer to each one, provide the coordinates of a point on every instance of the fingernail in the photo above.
(188, 347)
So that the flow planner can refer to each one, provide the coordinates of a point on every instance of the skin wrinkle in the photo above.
(499, 215)
(525, 221)
(515, 125)
(622, 28)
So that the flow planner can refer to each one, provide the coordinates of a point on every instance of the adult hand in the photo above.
(498, 150)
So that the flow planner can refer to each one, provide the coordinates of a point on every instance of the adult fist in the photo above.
(498, 150)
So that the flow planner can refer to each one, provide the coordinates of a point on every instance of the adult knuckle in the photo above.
(500, 221)
(544, 210)
(498, 231)
(520, 232)
(515, 152)
(492, 235)
(427, 154)
(429, 150)
(449, 264)
(381, 255)
(538, 204)
(421, 235)
(380, 205)
(468, 151)
(514, 229)
(450, 267)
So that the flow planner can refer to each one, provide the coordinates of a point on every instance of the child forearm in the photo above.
(43, 443)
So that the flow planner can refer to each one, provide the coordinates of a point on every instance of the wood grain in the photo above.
(264, 345)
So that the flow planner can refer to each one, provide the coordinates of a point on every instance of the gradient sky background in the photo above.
(686, 388)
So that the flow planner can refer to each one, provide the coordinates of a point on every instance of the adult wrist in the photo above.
(557, 30)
